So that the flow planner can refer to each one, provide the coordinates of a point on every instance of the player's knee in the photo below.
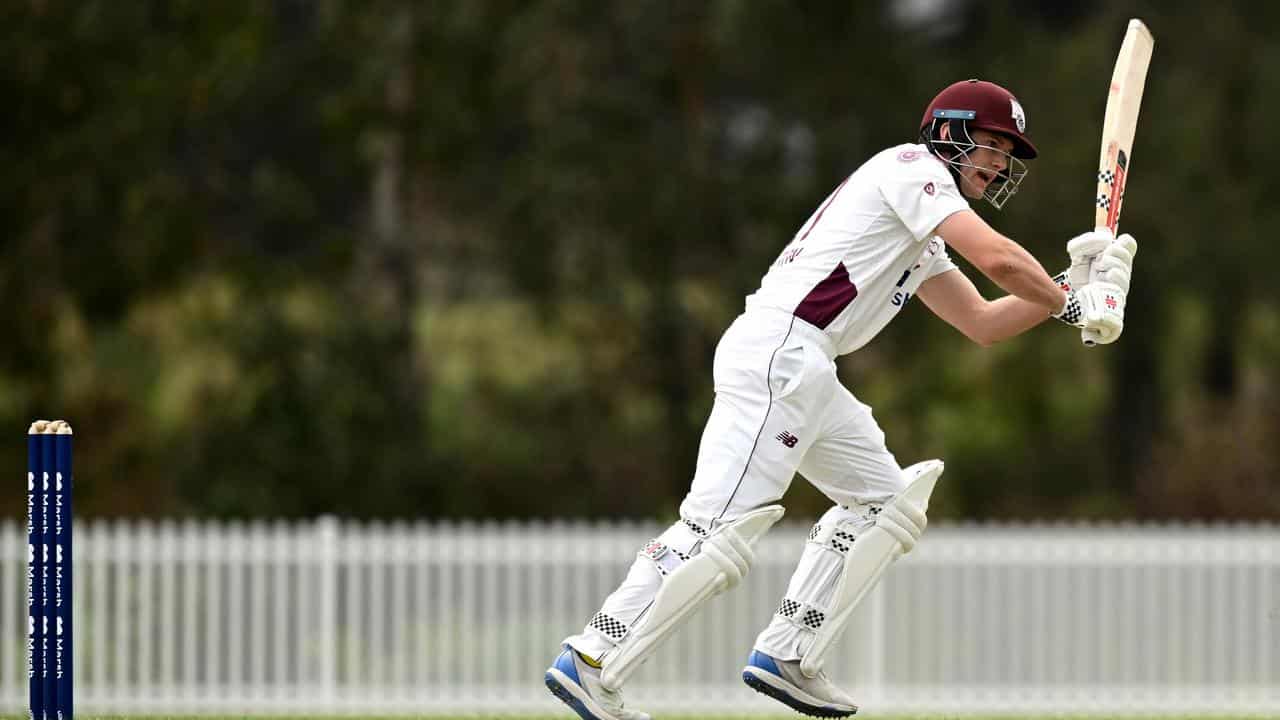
(839, 526)
(837, 515)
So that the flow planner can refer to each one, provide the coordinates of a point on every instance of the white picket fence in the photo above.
(331, 617)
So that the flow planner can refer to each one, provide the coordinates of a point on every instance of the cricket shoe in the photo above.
(578, 685)
(783, 681)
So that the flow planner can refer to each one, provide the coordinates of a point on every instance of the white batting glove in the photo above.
(1097, 258)
(1115, 264)
(1097, 309)
(1084, 249)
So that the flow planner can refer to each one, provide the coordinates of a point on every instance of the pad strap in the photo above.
(664, 557)
(610, 627)
(835, 537)
(803, 615)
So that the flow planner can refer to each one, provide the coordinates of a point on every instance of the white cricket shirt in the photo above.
(861, 255)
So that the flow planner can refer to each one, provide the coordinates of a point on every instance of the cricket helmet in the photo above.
(983, 105)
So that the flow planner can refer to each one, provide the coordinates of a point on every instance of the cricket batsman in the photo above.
(879, 239)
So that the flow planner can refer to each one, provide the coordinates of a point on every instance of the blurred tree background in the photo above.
(471, 258)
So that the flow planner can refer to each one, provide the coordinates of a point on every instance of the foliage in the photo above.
(472, 258)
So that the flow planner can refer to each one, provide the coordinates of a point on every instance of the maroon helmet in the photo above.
(985, 106)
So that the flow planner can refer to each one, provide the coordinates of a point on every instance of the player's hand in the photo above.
(1103, 305)
(1084, 249)
(1097, 309)
(1115, 264)
(1097, 258)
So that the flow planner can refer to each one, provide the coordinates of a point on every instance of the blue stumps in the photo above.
(49, 580)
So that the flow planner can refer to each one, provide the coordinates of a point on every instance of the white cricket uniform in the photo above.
(779, 406)
(849, 271)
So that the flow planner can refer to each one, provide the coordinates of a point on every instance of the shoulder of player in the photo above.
(909, 162)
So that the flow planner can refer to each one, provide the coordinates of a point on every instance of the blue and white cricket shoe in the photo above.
(783, 681)
(578, 685)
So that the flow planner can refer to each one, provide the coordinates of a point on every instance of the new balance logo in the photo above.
(788, 439)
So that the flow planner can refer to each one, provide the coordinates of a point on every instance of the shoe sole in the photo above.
(556, 684)
(764, 688)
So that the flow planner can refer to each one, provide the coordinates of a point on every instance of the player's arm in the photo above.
(1004, 261)
(954, 298)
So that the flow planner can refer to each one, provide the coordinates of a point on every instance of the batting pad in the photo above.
(896, 530)
(725, 557)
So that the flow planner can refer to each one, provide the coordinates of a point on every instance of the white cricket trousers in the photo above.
(779, 408)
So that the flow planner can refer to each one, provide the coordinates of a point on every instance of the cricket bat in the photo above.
(1118, 127)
